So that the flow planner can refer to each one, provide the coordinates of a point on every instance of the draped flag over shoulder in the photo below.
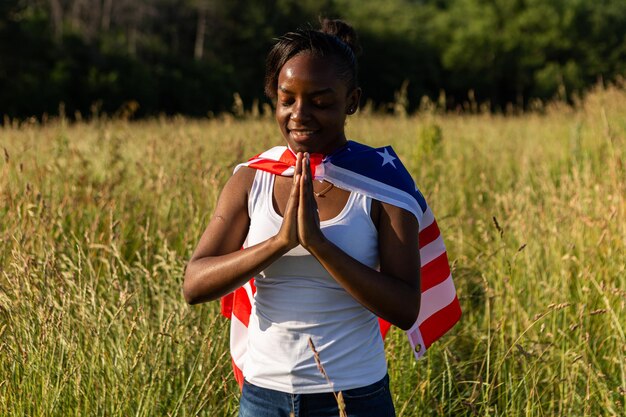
(379, 174)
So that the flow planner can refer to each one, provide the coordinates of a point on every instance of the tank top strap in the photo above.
(260, 192)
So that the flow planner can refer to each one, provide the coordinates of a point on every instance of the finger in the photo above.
(298, 167)
(308, 216)
(294, 197)
(306, 204)
(302, 189)
(304, 196)
(306, 184)
(307, 170)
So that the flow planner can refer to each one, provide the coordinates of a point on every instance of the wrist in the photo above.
(317, 245)
(280, 244)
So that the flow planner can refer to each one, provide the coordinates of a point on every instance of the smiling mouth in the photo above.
(303, 134)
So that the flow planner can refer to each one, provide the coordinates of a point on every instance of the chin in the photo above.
(303, 144)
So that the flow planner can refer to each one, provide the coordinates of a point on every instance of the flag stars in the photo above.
(387, 158)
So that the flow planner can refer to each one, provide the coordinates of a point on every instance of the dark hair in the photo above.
(335, 39)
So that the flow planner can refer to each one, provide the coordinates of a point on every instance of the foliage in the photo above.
(191, 56)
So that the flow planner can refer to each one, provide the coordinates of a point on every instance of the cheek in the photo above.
(280, 116)
(335, 120)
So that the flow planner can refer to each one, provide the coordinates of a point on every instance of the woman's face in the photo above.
(313, 103)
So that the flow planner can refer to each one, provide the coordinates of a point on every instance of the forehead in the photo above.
(307, 70)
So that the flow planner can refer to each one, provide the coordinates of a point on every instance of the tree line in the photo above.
(190, 56)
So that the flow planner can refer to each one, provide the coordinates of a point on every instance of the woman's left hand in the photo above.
(309, 232)
(393, 292)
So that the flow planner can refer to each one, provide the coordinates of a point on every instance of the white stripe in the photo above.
(380, 191)
(432, 251)
(248, 289)
(427, 219)
(320, 172)
(238, 341)
(433, 300)
(436, 298)
(275, 153)
(245, 164)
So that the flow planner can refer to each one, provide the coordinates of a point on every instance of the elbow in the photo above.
(190, 297)
(407, 324)
(410, 319)
(190, 293)
(196, 288)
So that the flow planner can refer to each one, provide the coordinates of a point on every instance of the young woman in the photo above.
(327, 259)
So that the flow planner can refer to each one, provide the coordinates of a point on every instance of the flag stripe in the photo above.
(242, 306)
(431, 251)
(288, 157)
(227, 304)
(350, 180)
(427, 219)
(238, 341)
(238, 373)
(439, 323)
(384, 327)
(435, 297)
(429, 234)
(435, 272)
(265, 165)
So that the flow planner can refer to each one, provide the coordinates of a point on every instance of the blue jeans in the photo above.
(370, 401)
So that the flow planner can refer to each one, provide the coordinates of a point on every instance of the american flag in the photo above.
(379, 174)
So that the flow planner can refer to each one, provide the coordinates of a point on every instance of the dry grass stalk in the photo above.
(338, 396)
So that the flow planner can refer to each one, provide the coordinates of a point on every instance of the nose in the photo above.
(300, 111)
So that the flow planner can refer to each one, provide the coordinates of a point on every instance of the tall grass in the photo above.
(97, 220)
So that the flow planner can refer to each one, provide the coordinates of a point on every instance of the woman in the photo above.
(327, 260)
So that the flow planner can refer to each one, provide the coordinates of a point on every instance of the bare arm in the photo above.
(392, 293)
(218, 265)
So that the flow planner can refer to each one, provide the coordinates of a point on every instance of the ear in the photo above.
(353, 101)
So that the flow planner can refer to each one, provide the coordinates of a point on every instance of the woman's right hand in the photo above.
(218, 265)
(288, 233)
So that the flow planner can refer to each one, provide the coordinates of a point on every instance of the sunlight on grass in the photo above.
(97, 221)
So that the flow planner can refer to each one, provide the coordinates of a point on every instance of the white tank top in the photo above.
(297, 299)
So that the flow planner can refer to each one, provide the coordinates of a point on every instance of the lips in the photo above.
(302, 134)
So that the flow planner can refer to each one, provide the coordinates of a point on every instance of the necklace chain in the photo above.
(324, 191)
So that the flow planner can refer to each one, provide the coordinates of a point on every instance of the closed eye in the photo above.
(322, 104)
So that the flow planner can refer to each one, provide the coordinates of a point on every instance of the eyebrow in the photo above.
(314, 93)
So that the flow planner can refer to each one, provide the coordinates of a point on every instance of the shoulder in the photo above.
(391, 219)
(242, 179)
(237, 188)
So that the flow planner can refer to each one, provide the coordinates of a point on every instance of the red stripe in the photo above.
(429, 234)
(238, 374)
(384, 327)
(242, 307)
(288, 158)
(439, 323)
(435, 272)
(227, 304)
(270, 166)
(316, 160)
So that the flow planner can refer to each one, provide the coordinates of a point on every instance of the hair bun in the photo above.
(343, 31)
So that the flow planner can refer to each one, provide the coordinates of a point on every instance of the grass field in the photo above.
(98, 218)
